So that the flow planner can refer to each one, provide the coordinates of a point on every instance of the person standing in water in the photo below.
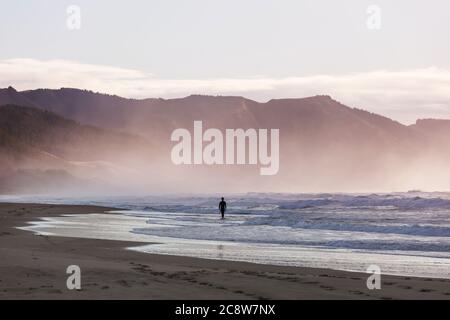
(222, 207)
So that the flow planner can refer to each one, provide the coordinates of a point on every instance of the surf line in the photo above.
(235, 145)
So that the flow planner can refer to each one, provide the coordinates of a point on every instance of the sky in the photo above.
(388, 57)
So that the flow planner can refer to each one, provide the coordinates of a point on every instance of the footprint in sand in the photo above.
(356, 292)
(123, 283)
(327, 288)
(309, 282)
(405, 287)
(426, 290)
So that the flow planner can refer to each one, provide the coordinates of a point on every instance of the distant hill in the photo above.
(151, 116)
(39, 145)
(315, 120)
(67, 139)
(324, 145)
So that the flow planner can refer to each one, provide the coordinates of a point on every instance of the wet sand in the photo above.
(34, 267)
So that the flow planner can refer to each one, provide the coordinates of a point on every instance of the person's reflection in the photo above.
(220, 248)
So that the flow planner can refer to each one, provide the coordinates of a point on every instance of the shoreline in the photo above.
(34, 267)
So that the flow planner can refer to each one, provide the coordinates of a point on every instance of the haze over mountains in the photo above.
(43, 151)
(324, 145)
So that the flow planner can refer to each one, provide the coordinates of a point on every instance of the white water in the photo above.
(403, 233)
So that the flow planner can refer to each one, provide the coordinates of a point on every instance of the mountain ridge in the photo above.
(324, 144)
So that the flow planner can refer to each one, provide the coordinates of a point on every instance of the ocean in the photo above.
(402, 233)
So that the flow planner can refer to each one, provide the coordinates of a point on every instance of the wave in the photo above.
(284, 237)
(293, 221)
(406, 203)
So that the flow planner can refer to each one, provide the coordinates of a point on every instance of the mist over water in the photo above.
(99, 144)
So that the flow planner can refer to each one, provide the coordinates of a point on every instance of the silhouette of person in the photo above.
(222, 207)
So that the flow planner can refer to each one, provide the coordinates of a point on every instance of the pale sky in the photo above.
(260, 49)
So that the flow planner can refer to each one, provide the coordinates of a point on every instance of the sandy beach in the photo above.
(34, 267)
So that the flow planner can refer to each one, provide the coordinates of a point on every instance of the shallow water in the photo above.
(402, 233)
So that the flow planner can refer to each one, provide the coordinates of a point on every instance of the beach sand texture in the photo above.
(34, 267)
